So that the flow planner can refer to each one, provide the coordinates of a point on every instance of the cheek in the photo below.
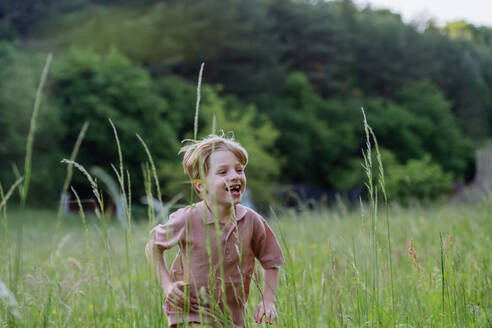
(206, 186)
(217, 184)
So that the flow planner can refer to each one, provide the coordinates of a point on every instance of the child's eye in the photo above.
(221, 172)
(239, 170)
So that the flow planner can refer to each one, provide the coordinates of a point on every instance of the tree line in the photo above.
(288, 77)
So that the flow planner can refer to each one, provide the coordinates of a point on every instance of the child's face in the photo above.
(225, 181)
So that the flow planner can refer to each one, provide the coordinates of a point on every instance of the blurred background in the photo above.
(289, 78)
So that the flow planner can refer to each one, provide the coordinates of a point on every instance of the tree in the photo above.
(20, 73)
(234, 38)
(387, 53)
(316, 41)
(20, 16)
(97, 88)
(293, 110)
(421, 123)
(181, 99)
(440, 131)
(420, 179)
(320, 141)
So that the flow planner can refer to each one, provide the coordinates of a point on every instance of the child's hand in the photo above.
(266, 309)
(175, 293)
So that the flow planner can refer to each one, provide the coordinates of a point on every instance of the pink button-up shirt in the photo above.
(216, 272)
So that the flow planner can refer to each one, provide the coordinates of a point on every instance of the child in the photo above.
(218, 241)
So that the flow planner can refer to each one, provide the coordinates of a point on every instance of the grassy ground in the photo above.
(337, 271)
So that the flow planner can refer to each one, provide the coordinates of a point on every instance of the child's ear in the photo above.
(197, 184)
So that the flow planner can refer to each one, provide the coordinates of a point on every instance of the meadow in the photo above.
(371, 265)
(339, 272)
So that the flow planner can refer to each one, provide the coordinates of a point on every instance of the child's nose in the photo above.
(234, 175)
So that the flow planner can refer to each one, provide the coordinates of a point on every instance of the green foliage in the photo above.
(462, 71)
(338, 146)
(20, 73)
(250, 48)
(294, 109)
(176, 36)
(181, 99)
(397, 129)
(386, 51)
(308, 66)
(321, 140)
(316, 41)
(421, 122)
(20, 16)
(459, 29)
(254, 131)
(481, 35)
(420, 179)
(95, 88)
(438, 128)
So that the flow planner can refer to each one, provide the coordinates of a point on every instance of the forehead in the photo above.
(223, 157)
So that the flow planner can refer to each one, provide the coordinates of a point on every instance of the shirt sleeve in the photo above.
(167, 235)
(265, 245)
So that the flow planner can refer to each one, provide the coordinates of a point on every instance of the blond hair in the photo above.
(196, 157)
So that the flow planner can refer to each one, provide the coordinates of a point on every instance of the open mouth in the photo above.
(234, 188)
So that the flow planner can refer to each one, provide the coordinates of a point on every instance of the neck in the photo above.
(224, 212)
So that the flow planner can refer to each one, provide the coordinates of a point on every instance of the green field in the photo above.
(336, 273)
(288, 79)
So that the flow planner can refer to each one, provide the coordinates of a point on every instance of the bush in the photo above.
(95, 88)
(420, 179)
(321, 140)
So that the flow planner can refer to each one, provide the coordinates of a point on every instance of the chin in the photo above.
(228, 201)
(236, 201)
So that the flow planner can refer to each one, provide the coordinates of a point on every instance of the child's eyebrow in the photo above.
(222, 166)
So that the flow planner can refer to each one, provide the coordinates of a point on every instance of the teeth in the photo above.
(235, 188)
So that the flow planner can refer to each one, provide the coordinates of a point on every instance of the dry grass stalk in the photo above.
(412, 255)
(198, 95)
(447, 243)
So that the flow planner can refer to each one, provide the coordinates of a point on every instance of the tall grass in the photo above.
(371, 141)
(323, 283)
(198, 97)
(342, 268)
(32, 131)
(69, 174)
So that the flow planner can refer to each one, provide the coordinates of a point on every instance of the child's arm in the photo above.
(267, 250)
(170, 288)
(267, 307)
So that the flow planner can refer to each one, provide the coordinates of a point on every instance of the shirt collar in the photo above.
(240, 212)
